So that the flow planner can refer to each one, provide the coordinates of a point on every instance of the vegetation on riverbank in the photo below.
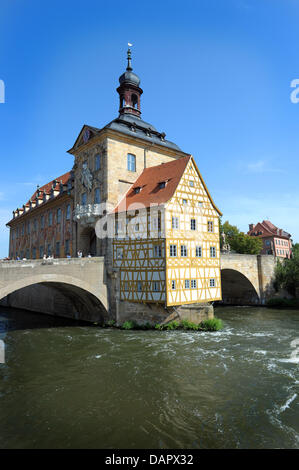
(279, 302)
(287, 272)
(212, 324)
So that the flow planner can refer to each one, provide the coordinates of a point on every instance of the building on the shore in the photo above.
(174, 256)
(275, 240)
(43, 226)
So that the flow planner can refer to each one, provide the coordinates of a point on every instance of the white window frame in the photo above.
(213, 252)
(184, 251)
(192, 224)
(131, 162)
(212, 282)
(187, 283)
(173, 251)
(210, 226)
(198, 250)
(175, 223)
(193, 284)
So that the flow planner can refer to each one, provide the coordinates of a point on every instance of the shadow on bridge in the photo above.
(237, 289)
(57, 299)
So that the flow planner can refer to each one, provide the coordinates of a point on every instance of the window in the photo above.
(50, 219)
(134, 99)
(57, 250)
(35, 225)
(136, 227)
(187, 284)
(67, 247)
(200, 203)
(175, 223)
(83, 199)
(183, 250)
(173, 250)
(198, 252)
(22, 229)
(157, 251)
(193, 283)
(126, 286)
(41, 251)
(131, 162)
(68, 212)
(119, 253)
(156, 286)
(210, 226)
(173, 285)
(212, 252)
(97, 162)
(139, 286)
(191, 184)
(268, 243)
(27, 254)
(185, 201)
(212, 282)
(97, 196)
(59, 216)
(42, 222)
(34, 253)
(137, 190)
(49, 250)
(162, 184)
(192, 224)
(28, 227)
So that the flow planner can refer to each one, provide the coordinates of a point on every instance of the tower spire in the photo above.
(129, 89)
(129, 57)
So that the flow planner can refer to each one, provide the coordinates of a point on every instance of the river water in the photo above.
(70, 385)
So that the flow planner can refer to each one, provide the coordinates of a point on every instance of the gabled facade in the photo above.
(166, 243)
(276, 241)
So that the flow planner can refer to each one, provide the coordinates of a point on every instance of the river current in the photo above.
(70, 385)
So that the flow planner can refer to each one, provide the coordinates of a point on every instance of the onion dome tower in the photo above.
(129, 90)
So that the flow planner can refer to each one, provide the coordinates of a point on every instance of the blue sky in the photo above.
(216, 76)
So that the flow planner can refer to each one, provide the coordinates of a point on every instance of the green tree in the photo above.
(287, 272)
(239, 241)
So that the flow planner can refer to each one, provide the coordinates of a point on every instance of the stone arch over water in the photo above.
(62, 297)
(237, 289)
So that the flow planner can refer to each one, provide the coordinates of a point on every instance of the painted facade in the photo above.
(168, 252)
(163, 251)
(276, 241)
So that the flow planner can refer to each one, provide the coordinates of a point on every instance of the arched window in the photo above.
(134, 100)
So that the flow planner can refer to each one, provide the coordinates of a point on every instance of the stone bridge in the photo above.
(73, 287)
(78, 287)
(247, 279)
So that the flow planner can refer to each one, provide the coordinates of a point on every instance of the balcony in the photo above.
(88, 212)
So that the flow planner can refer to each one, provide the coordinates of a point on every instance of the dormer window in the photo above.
(162, 184)
(137, 189)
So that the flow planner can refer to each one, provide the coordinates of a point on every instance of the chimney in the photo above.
(251, 227)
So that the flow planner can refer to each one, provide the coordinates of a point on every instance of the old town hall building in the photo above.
(129, 179)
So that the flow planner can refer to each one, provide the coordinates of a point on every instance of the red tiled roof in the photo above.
(148, 181)
(269, 230)
(47, 187)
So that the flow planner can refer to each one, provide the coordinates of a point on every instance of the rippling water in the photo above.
(66, 385)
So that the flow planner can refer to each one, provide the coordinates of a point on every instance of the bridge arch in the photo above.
(61, 294)
(237, 288)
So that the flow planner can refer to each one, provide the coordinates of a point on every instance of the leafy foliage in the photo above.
(287, 272)
(239, 241)
(279, 302)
